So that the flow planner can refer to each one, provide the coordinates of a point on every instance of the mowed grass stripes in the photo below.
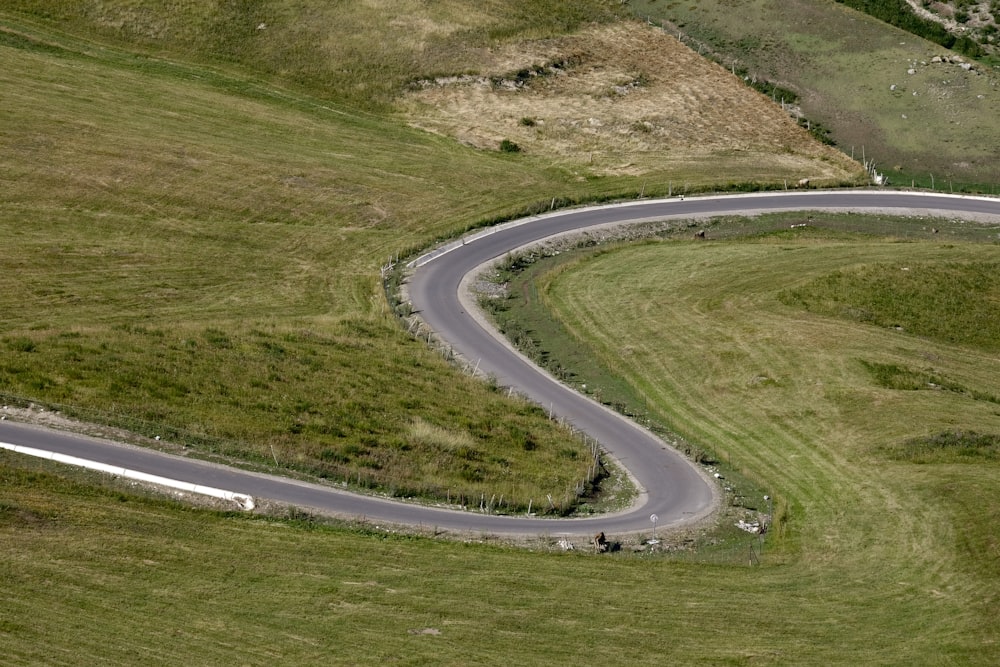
(102, 576)
(786, 396)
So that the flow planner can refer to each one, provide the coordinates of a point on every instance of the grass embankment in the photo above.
(193, 230)
(186, 260)
(937, 127)
(735, 345)
(900, 14)
(168, 584)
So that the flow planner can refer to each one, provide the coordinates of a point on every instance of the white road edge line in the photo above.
(243, 500)
(477, 234)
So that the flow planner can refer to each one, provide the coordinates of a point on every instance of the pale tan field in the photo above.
(616, 100)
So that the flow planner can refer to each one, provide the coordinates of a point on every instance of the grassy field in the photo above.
(874, 420)
(196, 202)
(880, 561)
(193, 234)
(208, 269)
(360, 54)
(852, 74)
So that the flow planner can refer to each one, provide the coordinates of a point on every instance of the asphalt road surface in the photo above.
(672, 488)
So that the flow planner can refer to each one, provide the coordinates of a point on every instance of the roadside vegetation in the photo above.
(197, 201)
(887, 553)
(878, 433)
(194, 224)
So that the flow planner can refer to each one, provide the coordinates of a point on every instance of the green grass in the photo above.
(214, 243)
(360, 54)
(951, 302)
(901, 15)
(194, 226)
(704, 343)
(936, 128)
(194, 217)
(280, 407)
(949, 447)
(881, 561)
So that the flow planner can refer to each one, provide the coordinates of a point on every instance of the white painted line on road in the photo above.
(448, 247)
(245, 501)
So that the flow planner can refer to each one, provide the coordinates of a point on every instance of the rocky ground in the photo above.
(979, 20)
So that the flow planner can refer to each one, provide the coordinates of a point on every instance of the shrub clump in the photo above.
(508, 146)
(955, 446)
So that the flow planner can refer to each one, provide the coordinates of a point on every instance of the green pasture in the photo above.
(193, 237)
(194, 254)
(852, 375)
(878, 558)
(938, 127)
(358, 53)
(196, 202)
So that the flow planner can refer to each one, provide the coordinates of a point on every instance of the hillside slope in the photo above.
(923, 114)
(193, 246)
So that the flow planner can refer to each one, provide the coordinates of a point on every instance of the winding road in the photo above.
(672, 488)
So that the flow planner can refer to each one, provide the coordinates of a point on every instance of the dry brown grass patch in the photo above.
(618, 99)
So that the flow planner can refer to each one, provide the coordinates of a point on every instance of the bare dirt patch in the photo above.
(624, 99)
